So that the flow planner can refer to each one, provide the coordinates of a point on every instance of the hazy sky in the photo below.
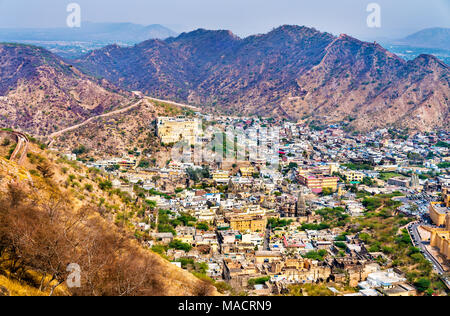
(243, 17)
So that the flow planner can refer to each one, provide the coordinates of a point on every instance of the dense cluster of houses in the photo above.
(314, 169)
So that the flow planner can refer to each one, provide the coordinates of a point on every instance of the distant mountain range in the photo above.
(433, 41)
(90, 32)
(292, 71)
(74, 42)
(428, 38)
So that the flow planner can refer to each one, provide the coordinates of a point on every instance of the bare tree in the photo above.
(40, 231)
(46, 170)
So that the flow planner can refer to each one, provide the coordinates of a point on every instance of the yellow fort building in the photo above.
(175, 129)
(440, 237)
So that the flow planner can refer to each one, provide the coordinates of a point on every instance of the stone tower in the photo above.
(415, 182)
(301, 209)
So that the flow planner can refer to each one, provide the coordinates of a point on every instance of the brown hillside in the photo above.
(57, 215)
(40, 93)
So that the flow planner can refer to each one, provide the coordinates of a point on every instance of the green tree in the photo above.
(203, 226)
(105, 185)
(179, 245)
(422, 284)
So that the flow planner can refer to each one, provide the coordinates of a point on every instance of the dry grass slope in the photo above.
(49, 222)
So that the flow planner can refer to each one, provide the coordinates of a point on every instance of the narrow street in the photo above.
(267, 239)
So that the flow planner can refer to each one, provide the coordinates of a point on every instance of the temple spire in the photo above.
(301, 205)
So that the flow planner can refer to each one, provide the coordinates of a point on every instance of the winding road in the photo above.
(175, 103)
(123, 110)
(68, 129)
(20, 152)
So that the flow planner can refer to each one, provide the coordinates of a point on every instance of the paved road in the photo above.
(25, 142)
(267, 239)
(413, 231)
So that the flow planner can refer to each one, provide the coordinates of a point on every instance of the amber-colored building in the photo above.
(439, 214)
(247, 222)
(446, 196)
(441, 240)
(247, 172)
(317, 183)
(353, 176)
(221, 176)
(267, 256)
(440, 237)
(175, 129)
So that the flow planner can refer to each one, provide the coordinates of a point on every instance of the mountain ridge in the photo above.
(41, 93)
(277, 74)
(436, 37)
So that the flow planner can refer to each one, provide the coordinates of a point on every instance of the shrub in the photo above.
(422, 284)
(179, 245)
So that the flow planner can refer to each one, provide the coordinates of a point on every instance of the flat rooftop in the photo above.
(441, 209)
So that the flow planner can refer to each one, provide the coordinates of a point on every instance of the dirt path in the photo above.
(175, 103)
(54, 135)
(126, 109)
(68, 129)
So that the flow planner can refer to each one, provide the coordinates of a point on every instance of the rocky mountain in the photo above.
(430, 38)
(40, 93)
(292, 71)
(369, 87)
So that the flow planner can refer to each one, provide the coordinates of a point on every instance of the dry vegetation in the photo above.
(49, 223)
(121, 133)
